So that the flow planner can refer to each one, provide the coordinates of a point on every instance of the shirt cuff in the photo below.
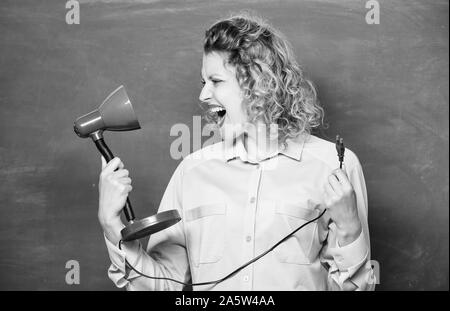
(130, 251)
(351, 255)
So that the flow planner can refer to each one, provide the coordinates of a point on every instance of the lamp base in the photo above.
(147, 226)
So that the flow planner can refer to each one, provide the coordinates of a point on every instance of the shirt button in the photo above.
(248, 238)
(252, 200)
(257, 166)
(246, 278)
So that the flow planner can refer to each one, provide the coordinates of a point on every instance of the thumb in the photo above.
(103, 162)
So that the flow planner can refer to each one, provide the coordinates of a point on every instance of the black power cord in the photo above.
(232, 273)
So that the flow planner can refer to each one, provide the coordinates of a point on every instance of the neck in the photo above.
(258, 143)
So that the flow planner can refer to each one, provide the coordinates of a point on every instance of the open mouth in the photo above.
(219, 113)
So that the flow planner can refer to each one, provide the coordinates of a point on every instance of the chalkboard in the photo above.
(384, 88)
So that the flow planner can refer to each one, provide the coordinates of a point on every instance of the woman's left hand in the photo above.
(340, 200)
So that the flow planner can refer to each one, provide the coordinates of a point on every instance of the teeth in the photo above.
(217, 109)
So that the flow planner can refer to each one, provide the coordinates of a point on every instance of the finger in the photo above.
(343, 178)
(329, 193)
(112, 165)
(336, 172)
(103, 162)
(334, 183)
(125, 180)
(120, 173)
(128, 188)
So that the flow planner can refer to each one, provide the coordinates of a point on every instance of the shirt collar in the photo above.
(293, 149)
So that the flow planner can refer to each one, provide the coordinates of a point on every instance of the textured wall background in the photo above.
(384, 88)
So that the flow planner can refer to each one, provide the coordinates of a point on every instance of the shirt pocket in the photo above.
(205, 230)
(303, 247)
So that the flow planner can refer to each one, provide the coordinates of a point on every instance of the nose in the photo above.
(205, 94)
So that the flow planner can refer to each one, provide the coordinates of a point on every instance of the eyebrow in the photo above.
(211, 76)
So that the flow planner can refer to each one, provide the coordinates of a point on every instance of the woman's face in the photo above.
(221, 90)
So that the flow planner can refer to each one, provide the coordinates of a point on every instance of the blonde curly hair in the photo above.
(276, 90)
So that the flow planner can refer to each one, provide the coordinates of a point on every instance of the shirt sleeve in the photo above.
(165, 255)
(349, 267)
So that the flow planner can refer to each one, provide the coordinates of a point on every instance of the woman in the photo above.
(239, 197)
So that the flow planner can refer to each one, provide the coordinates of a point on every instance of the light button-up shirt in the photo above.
(233, 209)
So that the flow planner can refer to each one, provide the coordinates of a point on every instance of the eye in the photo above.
(214, 81)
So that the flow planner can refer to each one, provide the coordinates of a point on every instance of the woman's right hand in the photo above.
(114, 187)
